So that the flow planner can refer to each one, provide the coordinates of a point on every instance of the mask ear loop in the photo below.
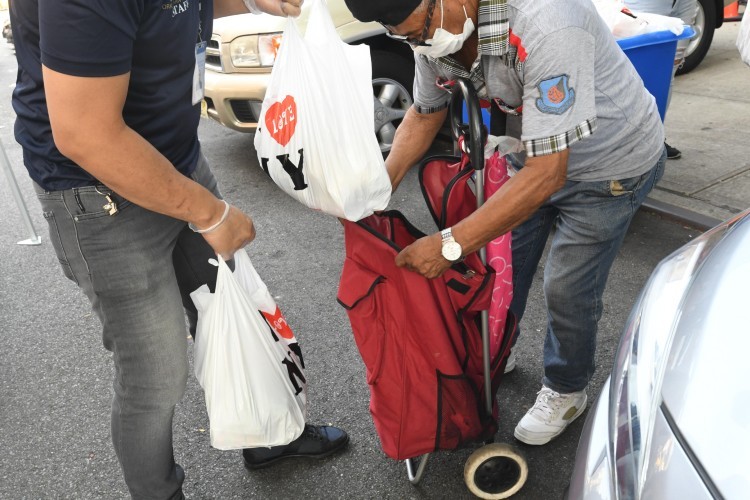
(442, 18)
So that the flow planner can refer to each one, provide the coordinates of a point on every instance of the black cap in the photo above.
(390, 12)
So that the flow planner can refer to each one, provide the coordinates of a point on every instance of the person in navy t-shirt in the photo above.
(108, 102)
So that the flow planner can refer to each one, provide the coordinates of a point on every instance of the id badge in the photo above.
(199, 74)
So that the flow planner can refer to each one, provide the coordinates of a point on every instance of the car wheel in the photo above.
(705, 24)
(392, 79)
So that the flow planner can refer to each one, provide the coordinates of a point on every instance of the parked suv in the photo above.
(243, 49)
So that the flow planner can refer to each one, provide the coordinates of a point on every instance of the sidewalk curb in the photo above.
(679, 214)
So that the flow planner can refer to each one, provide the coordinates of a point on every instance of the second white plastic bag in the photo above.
(248, 362)
(743, 39)
(315, 135)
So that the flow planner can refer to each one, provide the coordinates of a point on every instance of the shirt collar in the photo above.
(492, 32)
(493, 40)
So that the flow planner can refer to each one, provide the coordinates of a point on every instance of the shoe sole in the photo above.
(537, 441)
(674, 157)
(273, 461)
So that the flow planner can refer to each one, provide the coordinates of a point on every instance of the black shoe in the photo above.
(672, 153)
(316, 441)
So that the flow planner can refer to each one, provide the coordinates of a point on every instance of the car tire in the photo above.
(392, 82)
(705, 25)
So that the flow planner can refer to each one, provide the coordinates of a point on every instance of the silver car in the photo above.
(673, 419)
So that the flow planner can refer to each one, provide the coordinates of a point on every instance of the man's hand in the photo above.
(280, 7)
(284, 8)
(424, 256)
(236, 232)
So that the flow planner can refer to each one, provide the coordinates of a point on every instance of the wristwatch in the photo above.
(451, 248)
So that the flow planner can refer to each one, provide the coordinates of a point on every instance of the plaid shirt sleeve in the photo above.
(559, 142)
(559, 107)
(428, 97)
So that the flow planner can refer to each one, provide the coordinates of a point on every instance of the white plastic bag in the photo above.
(502, 144)
(656, 22)
(248, 362)
(743, 38)
(622, 25)
(315, 134)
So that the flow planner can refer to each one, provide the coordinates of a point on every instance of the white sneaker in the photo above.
(510, 365)
(550, 415)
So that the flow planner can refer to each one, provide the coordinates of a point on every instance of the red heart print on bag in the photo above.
(281, 120)
(279, 324)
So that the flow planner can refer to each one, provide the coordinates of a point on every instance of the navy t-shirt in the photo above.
(153, 40)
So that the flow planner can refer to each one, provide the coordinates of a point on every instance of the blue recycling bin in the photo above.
(652, 55)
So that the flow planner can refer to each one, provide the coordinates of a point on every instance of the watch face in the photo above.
(452, 251)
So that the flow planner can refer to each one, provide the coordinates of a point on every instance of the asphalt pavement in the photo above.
(55, 376)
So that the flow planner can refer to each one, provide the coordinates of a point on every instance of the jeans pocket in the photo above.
(54, 236)
(628, 186)
(622, 187)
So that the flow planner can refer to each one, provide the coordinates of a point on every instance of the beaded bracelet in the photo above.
(221, 221)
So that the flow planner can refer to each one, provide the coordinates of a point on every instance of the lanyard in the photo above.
(199, 82)
(200, 23)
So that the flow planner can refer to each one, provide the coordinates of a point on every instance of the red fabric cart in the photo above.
(420, 339)
(433, 359)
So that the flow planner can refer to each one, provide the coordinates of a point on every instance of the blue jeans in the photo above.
(590, 220)
(137, 268)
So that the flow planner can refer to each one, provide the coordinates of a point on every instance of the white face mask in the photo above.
(444, 42)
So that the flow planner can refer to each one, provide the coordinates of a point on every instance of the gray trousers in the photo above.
(137, 268)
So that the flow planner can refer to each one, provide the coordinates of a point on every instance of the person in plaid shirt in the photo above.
(594, 148)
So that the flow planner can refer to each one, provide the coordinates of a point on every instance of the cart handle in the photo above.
(477, 134)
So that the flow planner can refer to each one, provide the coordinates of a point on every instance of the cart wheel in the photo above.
(495, 471)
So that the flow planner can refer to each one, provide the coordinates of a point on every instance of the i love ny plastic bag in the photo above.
(315, 135)
(248, 362)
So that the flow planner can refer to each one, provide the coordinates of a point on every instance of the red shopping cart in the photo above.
(433, 361)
